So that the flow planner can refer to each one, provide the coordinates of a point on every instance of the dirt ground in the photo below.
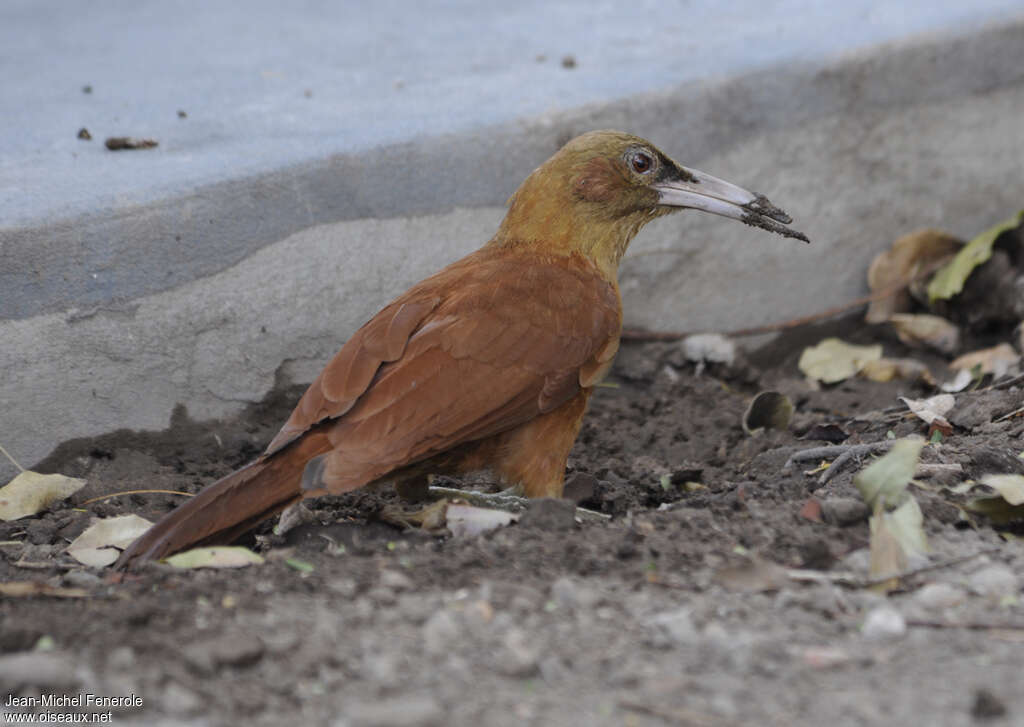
(654, 617)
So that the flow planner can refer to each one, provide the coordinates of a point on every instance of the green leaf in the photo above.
(885, 479)
(907, 524)
(950, 279)
(299, 565)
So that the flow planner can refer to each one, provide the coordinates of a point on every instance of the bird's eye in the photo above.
(641, 162)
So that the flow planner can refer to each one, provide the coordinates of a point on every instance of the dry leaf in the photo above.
(908, 257)
(30, 493)
(28, 589)
(996, 360)
(1009, 487)
(922, 329)
(768, 410)
(960, 382)
(949, 280)
(997, 509)
(887, 557)
(932, 410)
(103, 541)
(833, 360)
(468, 520)
(215, 556)
(887, 369)
(897, 540)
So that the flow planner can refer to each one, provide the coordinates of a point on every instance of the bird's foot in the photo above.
(510, 500)
(430, 518)
(293, 516)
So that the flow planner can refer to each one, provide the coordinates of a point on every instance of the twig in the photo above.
(136, 492)
(854, 451)
(13, 461)
(856, 581)
(1009, 415)
(972, 625)
(1012, 381)
(843, 453)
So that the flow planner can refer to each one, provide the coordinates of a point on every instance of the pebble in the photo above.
(567, 593)
(231, 649)
(580, 486)
(994, 580)
(40, 531)
(939, 595)
(81, 579)
(549, 514)
(672, 628)
(884, 623)
(844, 510)
(439, 632)
(50, 671)
(179, 700)
(987, 705)
(396, 580)
(122, 658)
(401, 711)
(517, 658)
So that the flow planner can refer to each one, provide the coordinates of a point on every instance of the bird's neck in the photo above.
(554, 224)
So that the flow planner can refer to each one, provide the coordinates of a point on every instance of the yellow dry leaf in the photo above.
(908, 257)
(996, 360)
(887, 369)
(216, 556)
(1009, 487)
(834, 360)
(30, 493)
(923, 329)
(103, 540)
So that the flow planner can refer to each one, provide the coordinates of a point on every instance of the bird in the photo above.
(487, 364)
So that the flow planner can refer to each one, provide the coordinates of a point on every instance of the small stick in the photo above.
(843, 453)
(856, 581)
(136, 492)
(13, 461)
(972, 625)
(854, 451)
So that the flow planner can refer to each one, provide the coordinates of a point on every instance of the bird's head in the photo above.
(597, 191)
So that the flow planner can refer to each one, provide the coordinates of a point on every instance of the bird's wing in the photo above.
(483, 346)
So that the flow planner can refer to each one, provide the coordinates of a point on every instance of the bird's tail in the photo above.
(228, 508)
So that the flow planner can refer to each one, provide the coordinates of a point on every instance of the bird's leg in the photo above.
(292, 516)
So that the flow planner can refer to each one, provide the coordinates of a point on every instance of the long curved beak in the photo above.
(700, 191)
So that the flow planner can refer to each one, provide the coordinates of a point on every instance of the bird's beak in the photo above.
(700, 191)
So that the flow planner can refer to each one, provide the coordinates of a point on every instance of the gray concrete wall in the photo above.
(131, 282)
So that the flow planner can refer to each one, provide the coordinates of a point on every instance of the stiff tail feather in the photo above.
(228, 508)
